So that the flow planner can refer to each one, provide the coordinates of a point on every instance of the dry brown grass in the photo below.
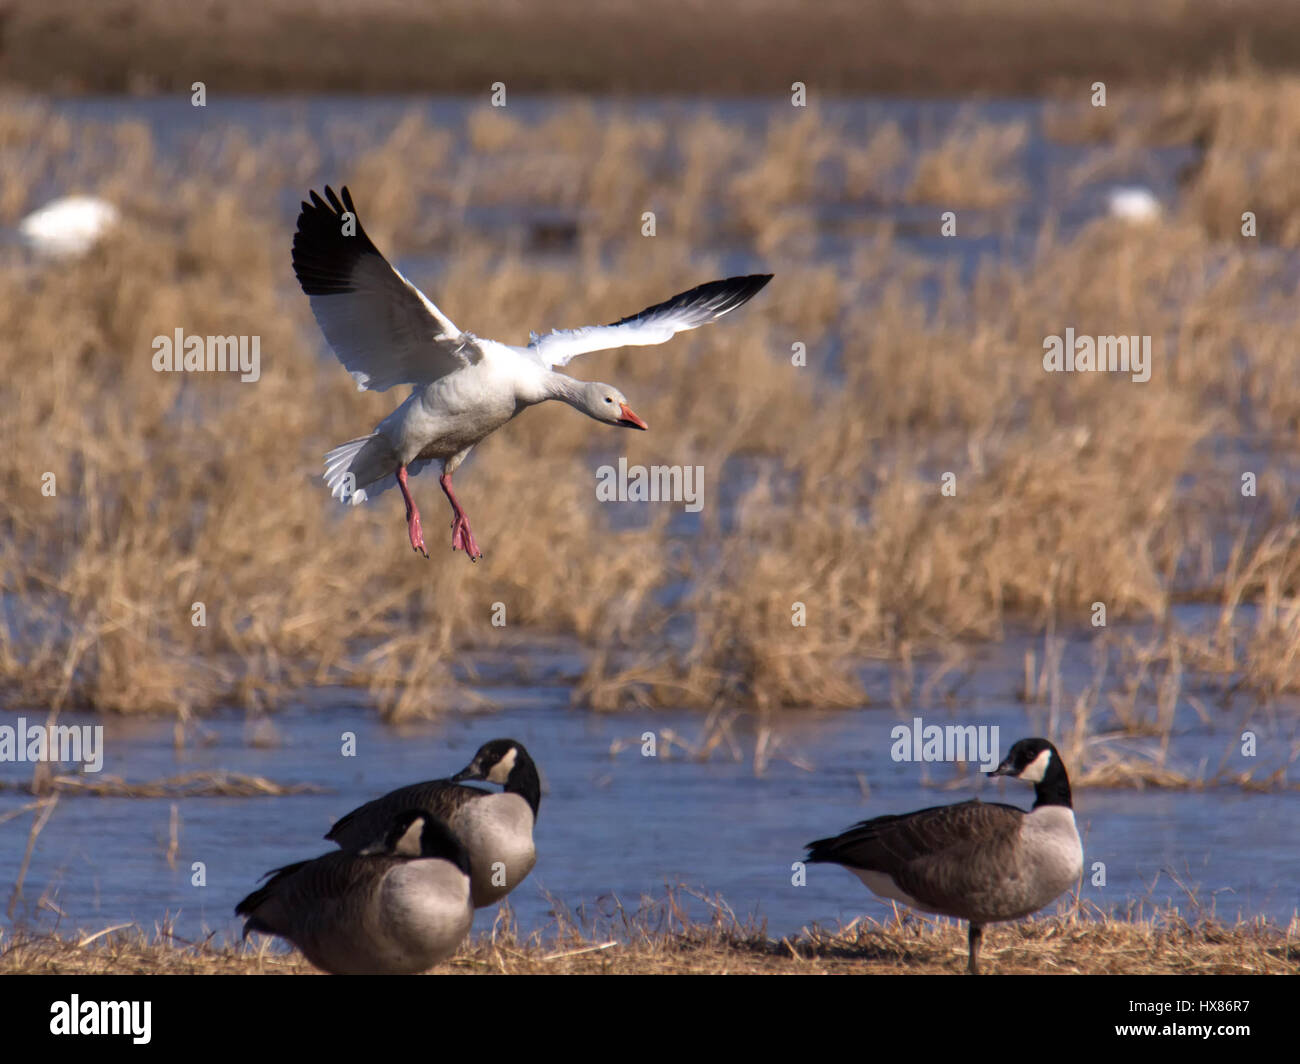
(186, 785)
(174, 489)
(1245, 127)
(1163, 943)
(970, 168)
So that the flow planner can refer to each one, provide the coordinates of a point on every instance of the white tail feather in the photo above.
(363, 468)
(353, 466)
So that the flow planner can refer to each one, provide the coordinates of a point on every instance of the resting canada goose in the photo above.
(393, 912)
(496, 827)
(975, 861)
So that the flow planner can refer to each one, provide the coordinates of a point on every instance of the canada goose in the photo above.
(975, 861)
(496, 827)
(393, 912)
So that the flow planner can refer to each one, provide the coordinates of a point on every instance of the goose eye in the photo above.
(608, 399)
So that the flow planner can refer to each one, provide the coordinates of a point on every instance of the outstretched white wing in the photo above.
(383, 329)
(654, 325)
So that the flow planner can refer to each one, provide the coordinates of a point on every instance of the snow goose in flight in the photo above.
(386, 332)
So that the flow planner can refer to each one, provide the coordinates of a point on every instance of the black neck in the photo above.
(1054, 788)
(441, 842)
(524, 781)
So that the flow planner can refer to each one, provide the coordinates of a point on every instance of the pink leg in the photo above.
(412, 514)
(461, 536)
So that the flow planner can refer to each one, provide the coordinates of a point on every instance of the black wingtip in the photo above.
(323, 257)
(755, 283)
(709, 301)
(330, 205)
(734, 292)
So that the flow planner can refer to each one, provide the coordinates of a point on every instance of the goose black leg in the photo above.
(976, 932)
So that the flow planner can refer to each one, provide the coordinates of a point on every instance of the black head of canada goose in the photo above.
(398, 910)
(977, 861)
(496, 826)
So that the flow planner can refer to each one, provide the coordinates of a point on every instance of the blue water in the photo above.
(624, 825)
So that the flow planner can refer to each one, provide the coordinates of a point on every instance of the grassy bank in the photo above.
(1163, 944)
(668, 46)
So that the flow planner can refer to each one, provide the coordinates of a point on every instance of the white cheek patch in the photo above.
(1037, 768)
(501, 770)
(409, 844)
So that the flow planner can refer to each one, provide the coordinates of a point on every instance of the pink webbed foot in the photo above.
(417, 534)
(461, 536)
(412, 514)
(463, 539)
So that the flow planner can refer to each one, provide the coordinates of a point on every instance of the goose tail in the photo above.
(249, 908)
(353, 469)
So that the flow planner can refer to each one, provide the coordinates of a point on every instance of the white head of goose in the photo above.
(975, 861)
(397, 911)
(495, 826)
